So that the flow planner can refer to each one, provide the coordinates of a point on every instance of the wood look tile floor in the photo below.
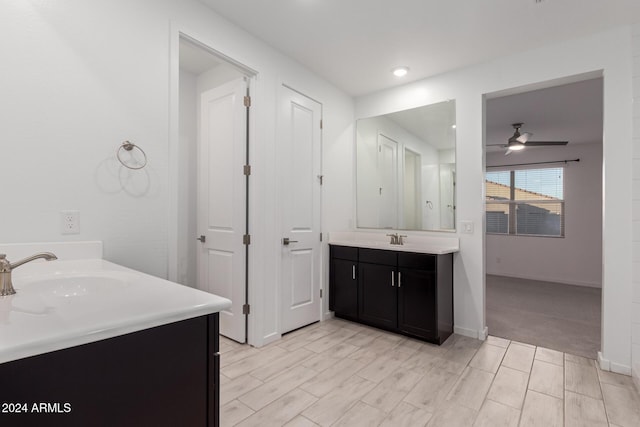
(339, 373)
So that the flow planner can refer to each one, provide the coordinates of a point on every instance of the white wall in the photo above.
(80, 77)
(609, 51)
(575, 259)
(635, 304)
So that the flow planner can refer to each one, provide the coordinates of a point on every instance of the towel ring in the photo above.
(128, 146)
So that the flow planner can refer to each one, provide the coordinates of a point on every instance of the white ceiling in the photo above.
(431, 123)
(355, 43)
(570, 112)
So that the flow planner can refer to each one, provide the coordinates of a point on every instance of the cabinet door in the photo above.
(417, 311)
(378, 296)
(343, 288)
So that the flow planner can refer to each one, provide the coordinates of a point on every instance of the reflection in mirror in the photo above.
(406, 171)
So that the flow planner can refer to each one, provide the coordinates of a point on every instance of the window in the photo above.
(528, 202)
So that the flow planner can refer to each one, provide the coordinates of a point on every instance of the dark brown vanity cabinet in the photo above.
(343, 292)
(163, 376)
(377, 292)
(405, 292)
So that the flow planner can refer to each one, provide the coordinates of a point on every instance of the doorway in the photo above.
(543, 240)
(212, 191)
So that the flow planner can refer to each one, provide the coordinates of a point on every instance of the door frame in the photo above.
(603, 363)
(173, 163)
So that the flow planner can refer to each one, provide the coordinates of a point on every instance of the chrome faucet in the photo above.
(397, 239)
(6, 287)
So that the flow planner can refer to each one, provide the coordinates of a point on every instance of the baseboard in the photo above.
(269, 339)
(636, 380)
(482, 335)
(607, 365)
(471, 333)
(548, 279)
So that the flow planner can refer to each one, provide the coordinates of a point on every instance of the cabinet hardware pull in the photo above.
(353, 272)
(399, 279)
(392, 278)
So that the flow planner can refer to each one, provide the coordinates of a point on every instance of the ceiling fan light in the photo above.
(516, 147)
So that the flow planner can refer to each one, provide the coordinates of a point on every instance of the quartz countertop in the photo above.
(65, 303)
(418, 244)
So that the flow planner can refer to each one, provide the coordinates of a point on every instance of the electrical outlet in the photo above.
(70, 222)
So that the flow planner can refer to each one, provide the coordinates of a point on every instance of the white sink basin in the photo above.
(63, 303)
(74, 285)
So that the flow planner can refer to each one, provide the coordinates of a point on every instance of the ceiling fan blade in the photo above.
(496, 145)
(524, 137)
(542, 143)
(506, 153)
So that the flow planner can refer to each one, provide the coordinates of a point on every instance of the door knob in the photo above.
(201, 238)
(286, 241)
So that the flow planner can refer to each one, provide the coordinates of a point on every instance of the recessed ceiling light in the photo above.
(400, 71)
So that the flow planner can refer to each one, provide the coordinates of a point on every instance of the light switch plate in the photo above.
(466, 227)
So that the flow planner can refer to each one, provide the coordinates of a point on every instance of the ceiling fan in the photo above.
(519, 140)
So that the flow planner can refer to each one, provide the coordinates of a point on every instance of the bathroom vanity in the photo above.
(406, 289)
(89, 342)
(162, 376)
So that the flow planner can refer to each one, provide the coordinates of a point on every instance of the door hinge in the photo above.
(246, 239)
(247, 101)
(320, 293)
(247, 170)
(320, 123)
(321, 178)
(321, 237)
(246, 309)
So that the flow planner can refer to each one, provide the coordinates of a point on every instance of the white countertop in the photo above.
(64, 303)
(413, 243)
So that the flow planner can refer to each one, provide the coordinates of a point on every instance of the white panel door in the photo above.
(222, 201)
(388, 175)
(299, 168)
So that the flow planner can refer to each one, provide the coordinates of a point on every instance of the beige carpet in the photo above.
(553, 315)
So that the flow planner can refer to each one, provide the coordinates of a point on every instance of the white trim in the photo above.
(172, 162)
(482, 335)
(178, 32)
(268, 339)
(471, 333)
(607, 365)
(539, 278)
(327, 315)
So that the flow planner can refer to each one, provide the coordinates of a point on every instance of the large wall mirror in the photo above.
(406, 169)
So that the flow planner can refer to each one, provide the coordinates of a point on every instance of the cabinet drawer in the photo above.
(344, 252)
(417, 261)
(378, 256)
